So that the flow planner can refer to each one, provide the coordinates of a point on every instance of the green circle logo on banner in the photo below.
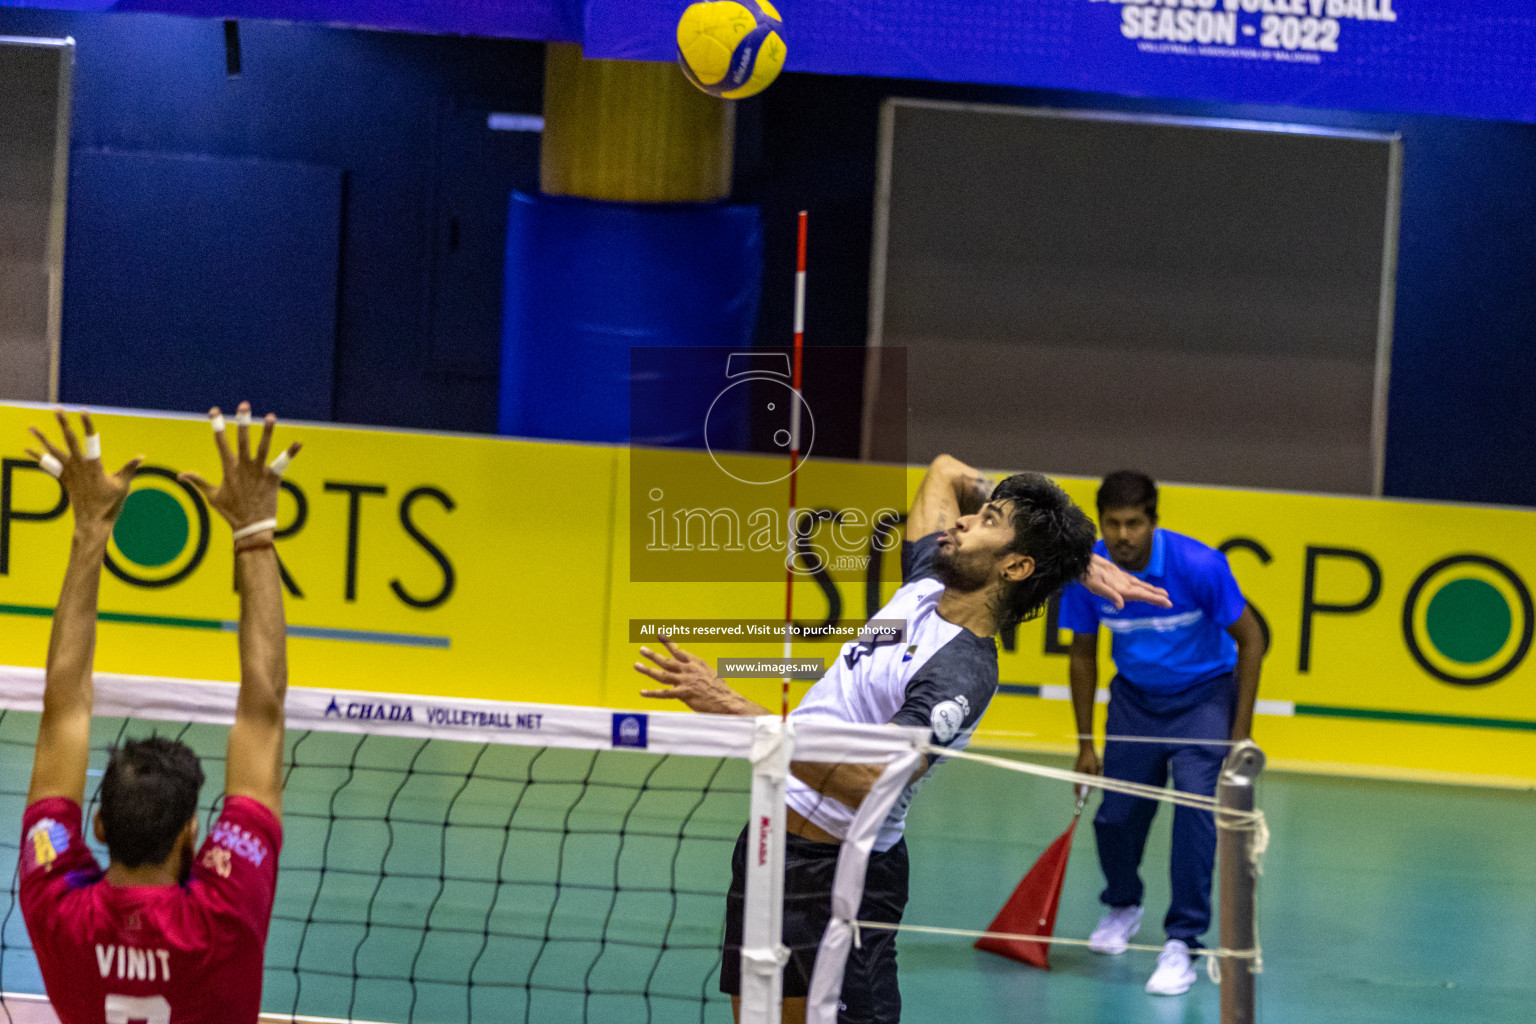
(1468, 620)
(161, 533)
(152, 529)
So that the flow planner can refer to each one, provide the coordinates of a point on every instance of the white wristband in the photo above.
(279, 464)
(52, 466)
(243, 418)
(218, 423)
(256, 527)
(92, 447)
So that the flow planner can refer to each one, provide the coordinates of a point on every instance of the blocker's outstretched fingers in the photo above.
(280, 464)
(92, 436)
(202, 485)
(48, 446)
(130, 468)
(47, 463)
(226, 455)
(70, 440)
(243, 432)
(265, 444)
(247, 494)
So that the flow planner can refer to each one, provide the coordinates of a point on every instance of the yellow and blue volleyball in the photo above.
(731, 48)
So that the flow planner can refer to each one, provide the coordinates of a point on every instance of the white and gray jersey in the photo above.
(940, 675)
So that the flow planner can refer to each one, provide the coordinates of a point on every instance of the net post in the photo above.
(1235, 839)
(763, 953)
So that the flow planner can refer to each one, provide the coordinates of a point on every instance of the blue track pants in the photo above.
(1203, 712)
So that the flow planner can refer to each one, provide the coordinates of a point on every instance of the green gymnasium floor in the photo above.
(1399, 903)
(1386, 902)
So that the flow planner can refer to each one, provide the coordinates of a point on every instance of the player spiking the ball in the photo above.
(167, 932)
(975, 563)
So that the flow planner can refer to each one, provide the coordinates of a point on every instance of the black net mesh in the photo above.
(436, 880)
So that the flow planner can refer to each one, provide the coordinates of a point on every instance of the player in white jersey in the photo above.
(978, 565)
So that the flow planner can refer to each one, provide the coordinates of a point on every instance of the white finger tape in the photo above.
(279, 464)
(93, 446)
(243, 418)
(52, 466)
(254, 528)
(218, 423)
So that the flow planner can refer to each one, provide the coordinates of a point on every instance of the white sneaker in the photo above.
(1175, 971)
(1115, 930)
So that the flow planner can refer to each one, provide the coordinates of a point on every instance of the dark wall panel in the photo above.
(30, 75)
(1163, 312)
(196, 281)
(416, 322)
(1461, 421)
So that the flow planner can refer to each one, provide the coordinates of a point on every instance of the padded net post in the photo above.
(763, 953)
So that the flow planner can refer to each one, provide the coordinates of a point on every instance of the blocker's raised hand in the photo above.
(95, 495)
(247, 496)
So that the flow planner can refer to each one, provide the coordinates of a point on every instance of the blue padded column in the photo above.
(588, 279)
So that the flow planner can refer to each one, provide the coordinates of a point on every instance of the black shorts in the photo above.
(870, 994)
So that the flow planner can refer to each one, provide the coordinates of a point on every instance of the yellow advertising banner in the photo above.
(413, 563)
(467, 566)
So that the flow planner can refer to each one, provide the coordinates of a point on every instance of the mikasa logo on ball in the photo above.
(947, 718)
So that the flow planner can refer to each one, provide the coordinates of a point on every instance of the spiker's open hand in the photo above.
(688, 678)
(95, 495)
(1117, 586)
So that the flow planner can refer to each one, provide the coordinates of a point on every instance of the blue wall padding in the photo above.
(587, 280)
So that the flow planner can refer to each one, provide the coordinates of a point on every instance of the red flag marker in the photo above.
(1031, 910)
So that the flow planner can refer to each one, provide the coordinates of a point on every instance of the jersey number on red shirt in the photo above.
(138, 1010)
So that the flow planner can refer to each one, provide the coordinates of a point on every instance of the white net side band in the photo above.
(471, 721)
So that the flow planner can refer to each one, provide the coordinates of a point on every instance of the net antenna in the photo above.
(792, 534)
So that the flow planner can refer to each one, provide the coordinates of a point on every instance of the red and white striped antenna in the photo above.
(794, 458)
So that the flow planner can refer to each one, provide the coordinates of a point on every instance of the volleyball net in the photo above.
(448, 859)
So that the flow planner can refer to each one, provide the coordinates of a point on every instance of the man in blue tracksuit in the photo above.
(1189, 672)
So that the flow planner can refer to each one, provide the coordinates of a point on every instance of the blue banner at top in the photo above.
(1469, 58)
(1472, 58)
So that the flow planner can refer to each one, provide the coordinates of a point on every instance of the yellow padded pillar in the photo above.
(633, 131)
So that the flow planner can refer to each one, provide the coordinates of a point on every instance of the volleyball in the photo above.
(731, 48)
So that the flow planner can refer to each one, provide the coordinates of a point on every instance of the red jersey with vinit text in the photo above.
(171, 954)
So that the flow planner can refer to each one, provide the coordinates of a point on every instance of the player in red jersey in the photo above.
(163, 935)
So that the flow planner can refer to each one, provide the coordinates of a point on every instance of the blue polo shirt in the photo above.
(1165, 650)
